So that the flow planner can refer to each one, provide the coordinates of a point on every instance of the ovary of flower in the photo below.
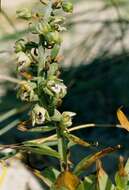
(23, 60)
(38, 115)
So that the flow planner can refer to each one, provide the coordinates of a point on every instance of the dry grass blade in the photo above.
(88, 161)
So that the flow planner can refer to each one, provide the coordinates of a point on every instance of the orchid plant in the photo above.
(40, 86)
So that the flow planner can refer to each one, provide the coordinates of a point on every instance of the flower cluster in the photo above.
(37, 63)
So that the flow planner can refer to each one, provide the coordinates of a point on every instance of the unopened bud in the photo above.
(67, 6)
(53, 38)
(24, 13)
(20, 45)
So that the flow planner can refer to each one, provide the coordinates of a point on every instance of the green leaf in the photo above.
(40, 149)
(103, 181)
(77, 140)
(127, 166)
(121, 181)
(42, 129)
(89, 183)
(51, 174)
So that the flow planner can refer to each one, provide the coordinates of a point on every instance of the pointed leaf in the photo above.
(89, 183)
(51, 174)
(121, 177)
(121, 182)
(88, 161)
(42, 129)
(77, 140)
(104, 183)
(41, 149)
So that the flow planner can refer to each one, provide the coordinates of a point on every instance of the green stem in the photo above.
(62, 148)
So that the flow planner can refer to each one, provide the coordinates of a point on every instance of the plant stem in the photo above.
(62, 149)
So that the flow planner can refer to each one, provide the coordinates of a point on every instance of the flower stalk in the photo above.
(44, 89)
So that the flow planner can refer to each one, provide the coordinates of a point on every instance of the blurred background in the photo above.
(95, 68)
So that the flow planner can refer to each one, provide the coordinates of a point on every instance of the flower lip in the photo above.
(57, 87)
(38, 115)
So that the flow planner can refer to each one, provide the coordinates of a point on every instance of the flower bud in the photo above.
(20, 45)
(27, 91)
(67, 6)
(38, 115)
(23, 61)
(24, 13)
(43, 28)
(53, 38)
(67, 118)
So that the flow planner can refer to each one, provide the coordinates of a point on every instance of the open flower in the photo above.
(27, 91)
(23, 61)
(67, 118)
(39, 115)
(58, 88)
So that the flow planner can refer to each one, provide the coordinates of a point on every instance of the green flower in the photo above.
(53, 38)
(67, 118)
(20, 45)
(39, 115)
(23, 61)
(24, 13)
(57, 88)
(67, 6)
(26, 91)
